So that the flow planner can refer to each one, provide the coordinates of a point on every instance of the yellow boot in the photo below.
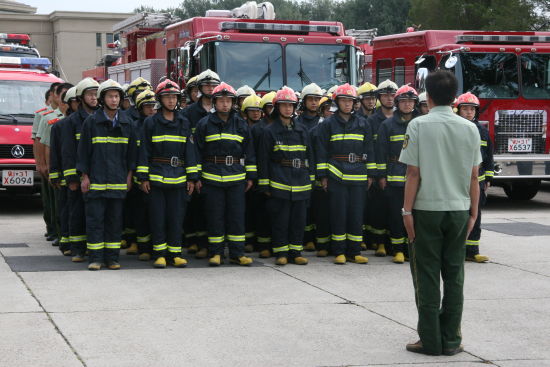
(123, 244)
(94, 266)
(243, 261)
(160, 263)
(281, 261)
(322, 253)
(77, 259)
(363, 246)
(358, 259)
(202, 254)
(133, 249)
(114, 265)
(179, 262)
(399, 258)
(144, 257)
(478, 258)
(299, 260)
(215, 260)
(310, 246)
(381, 250)
(192, 249)
(340, 260)
(264, 254)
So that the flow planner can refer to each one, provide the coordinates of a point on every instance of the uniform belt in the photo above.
(351, 158)
(228, 160)
(294, 163)
(173, 161)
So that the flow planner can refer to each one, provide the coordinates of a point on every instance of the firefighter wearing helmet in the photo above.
(126, 103)
(228, 161)
(86, 95)
(367, 96)
(310, 97)
(137, 86)
(267, 106)
(345, 160)
(192, 90)
(59, 184)
(195, 225)
(285, 176)
(107, 155)
(167, 170)
(376, 214)
(467, 106)
(423, 104)
(391, 173)
(242, 93)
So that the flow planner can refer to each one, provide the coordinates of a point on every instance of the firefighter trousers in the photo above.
(249, 220)
(346, 204)
(46, 205)
(287, 225)
(63, 218)
(398, 236)
(104, 229)
(130, 205)
(141, 220)
(224, 209)
(320, 208)
(262, 221)
(77, 222)
(376, 215)
(195, 222)
(167, 210)
(309, 228)
(472, 243)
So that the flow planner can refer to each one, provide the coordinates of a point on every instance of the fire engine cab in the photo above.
(508, 71)
(23, 84)
(245, 45)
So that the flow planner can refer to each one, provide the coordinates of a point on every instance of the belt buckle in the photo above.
(174, 162)
(228, 160)
(352, 158)
(296, 163)
(365, 157)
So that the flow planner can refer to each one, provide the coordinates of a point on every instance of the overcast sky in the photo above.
(108, 6)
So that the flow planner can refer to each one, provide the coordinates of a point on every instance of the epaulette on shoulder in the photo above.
(53, 121)
(41, 110)
(47, 112)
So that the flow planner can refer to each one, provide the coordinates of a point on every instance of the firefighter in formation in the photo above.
(166, 173)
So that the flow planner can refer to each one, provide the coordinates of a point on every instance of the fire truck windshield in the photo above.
(326, 65)
(21, 98)
(535, 76)
(258, 65)
(489, 75)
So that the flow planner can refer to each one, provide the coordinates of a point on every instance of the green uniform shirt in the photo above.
(445, 147)
(36, 122)
(45, 129)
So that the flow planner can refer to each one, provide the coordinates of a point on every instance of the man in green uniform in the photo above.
(439, 210)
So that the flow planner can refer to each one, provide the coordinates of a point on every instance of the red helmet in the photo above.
(224, 89)
(406, 92)
(285, 94)
(467, 99)
(167, 87)
(344, 91)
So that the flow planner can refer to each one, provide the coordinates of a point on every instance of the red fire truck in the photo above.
(23, 84)
(255, 49)
(508, 71)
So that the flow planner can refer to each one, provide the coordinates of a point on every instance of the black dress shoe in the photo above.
(453, 351)
(419, 348)
(55, 242)
(50, 237)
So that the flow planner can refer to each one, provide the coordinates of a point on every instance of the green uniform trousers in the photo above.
(438, 253)
(45, 192)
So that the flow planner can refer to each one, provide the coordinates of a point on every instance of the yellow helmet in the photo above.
(252, 102)
(192, 82)
(137, 86)
(366, 89)
(245, 91)
(70, 94)
(267, 99)
(84, 85)
(325, 99)
(311, 90)
(145, 97)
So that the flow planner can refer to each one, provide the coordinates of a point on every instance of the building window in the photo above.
(98, 39)
(117, 37)
(110, 37)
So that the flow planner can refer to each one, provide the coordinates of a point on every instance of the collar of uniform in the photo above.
(341, 120)
(441, 109)
(160, 118)
(82, 113)
(57, 112)
(294, 126)
(305, 116)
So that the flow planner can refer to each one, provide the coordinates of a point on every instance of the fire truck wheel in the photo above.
(524, 190)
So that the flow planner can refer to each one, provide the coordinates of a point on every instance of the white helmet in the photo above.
(387, 86)
(108, 85)
(332, 89)
(208, 76)
(245, 91)
(311, 90)
(70, 94)
(422, 98)
(84, 85)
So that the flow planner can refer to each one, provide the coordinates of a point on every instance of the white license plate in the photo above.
(12, 177)
(520, 145)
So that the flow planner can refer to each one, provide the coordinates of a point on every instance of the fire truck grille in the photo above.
(510, 124)
(12, 151)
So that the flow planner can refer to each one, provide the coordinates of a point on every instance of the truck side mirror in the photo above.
(420, 82)
(185, 61)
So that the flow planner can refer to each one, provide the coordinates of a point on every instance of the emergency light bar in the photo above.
(501, 38)
(26, 62)
(22, 39)
(278, 27)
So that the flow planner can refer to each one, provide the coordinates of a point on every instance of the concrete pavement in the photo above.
(53, 313)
